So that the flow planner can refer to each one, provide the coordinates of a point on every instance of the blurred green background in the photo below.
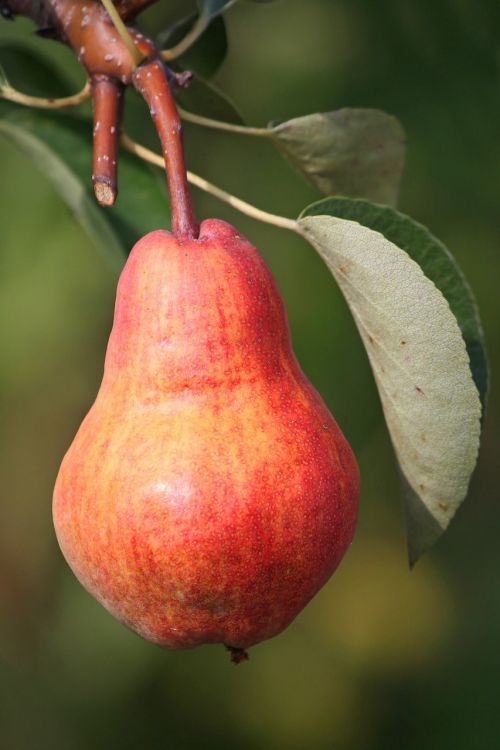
(381, 659)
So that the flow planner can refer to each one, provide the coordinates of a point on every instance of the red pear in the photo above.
(209, 493)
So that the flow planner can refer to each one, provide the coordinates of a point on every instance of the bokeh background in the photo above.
(382, 659)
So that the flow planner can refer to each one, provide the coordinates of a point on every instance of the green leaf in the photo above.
(354, 152)
(60, 145)
(208, 52)
(203, 98)
(435, 260)
(419, 359)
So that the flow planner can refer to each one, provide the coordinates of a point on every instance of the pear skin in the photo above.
(208, 493)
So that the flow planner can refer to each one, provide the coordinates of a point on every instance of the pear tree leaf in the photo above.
(359, 153)
(420, 363)
(206, 54)
(60, 145)
(435, 260)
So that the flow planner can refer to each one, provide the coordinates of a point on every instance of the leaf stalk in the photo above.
(240, 205)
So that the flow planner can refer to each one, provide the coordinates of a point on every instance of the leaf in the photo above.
(205, 99)
(206, 54)
(60, 145)
(69, 187)
(420, 363)
(435, 260)
(352, 152)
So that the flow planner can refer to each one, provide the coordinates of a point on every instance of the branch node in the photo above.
(128, 40)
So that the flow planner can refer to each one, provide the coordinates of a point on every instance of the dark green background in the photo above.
(382, 659)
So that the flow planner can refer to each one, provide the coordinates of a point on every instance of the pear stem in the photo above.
(150, 79)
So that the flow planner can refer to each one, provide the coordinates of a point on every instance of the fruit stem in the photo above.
(151, 81)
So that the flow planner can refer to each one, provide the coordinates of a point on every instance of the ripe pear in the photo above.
(208, 493)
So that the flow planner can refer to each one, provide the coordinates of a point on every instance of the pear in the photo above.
(208, 493)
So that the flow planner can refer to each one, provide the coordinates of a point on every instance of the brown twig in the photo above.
(107, 97)
(123, 32)
(150, 79)
(112, 55)
(45, 12)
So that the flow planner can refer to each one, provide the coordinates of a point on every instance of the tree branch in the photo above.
(44, 12)
(107, 97)
(115, 57)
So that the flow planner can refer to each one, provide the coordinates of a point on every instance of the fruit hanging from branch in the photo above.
(209, 493)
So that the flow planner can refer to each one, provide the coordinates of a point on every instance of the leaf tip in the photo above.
(422, 528)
